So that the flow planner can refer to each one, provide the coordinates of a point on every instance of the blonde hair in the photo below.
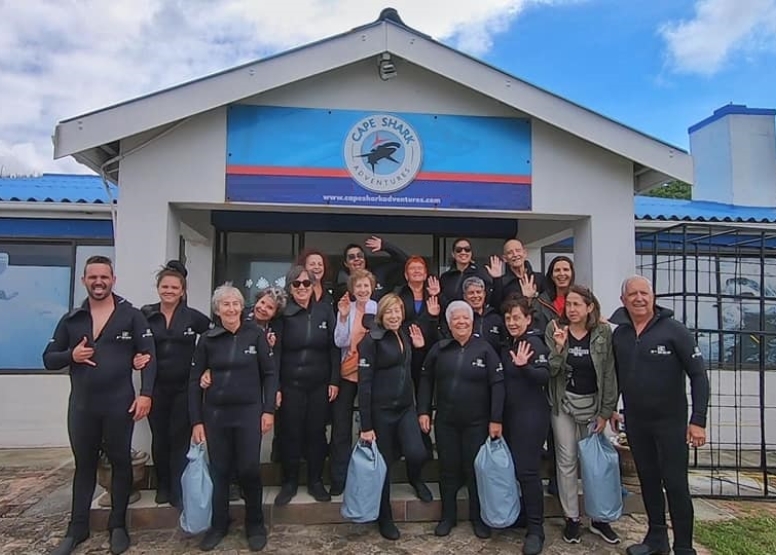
(390, 300)
(357, 275)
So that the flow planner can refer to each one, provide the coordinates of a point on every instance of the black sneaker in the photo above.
(533, 545)
(572, 533)
(68, 544)
(318, 492)
(211, 539)
(388, 530)
(422, 491)
(162, 497)
(119, 541)
(257, 538)
(336, 489)
(286, 493)
(605, 531)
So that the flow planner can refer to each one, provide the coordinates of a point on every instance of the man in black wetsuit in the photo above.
(98, 341)
(654, 355)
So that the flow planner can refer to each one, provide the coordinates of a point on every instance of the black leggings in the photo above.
(303, 419)
(458, 445)
(398, 432)
(526, 431)
(89, 430)
(233, 435)
(342, 431)
(171, 435)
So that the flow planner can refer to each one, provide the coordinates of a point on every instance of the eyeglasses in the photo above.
(301, 283)
(355, 256)
(459, 250)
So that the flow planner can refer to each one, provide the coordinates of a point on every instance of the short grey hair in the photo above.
(627, 281)
(224, 291)
(293, 274)
(277, 294)
(472, 281)
(455, 306)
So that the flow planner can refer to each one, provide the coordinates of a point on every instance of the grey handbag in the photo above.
(582, 408)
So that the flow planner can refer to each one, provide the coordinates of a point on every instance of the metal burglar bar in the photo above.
(721, 282)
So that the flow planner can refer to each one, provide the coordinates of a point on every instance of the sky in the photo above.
(658, 66)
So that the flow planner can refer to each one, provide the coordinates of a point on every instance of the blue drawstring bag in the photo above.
(364, 484)
(600, 467)
(197, 491)
(497, 486)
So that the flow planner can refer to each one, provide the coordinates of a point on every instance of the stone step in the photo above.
(303, 509)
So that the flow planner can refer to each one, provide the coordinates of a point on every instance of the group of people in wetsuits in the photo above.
(478, 352)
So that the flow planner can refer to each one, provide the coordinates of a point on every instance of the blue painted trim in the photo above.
(731, 110)
(23, 228)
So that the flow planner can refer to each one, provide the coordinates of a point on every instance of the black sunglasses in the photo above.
(459, 250)
(301, 283)
(355, 255)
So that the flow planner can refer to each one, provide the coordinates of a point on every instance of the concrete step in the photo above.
(303, 509)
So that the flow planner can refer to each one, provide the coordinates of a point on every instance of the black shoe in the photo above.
(444, 528)
(211, 539)
(119, 541)
(571, 533)
(605, 531)
(162, 497)
(318, 492)
(533, 545)
(644, 549)
(286, 494)
(336, 489)
(422, 491)
(481, 530)
(67, 545)
(388, 530)
(257, 539)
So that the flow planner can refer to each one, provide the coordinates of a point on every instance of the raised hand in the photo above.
(432, 306)
(343, 306)
(417, 337)
(522, 355)
(528, 286)
(83, 354)
(433, 287)
(140, 360)
(496, 267)
(560, 334)
(374, 243)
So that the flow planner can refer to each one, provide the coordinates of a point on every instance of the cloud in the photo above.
(60, 59)
(719, 30)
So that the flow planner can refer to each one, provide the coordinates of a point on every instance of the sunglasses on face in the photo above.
(356, 256)
(459, 250)
(301, 283)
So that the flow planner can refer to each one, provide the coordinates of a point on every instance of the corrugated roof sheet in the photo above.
(665, 209)
(56, 187)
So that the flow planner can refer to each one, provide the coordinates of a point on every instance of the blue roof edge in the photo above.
(731, 110)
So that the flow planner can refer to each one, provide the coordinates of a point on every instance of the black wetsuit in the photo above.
(387, 404)
(652, 370)
(244, 383)
(469, 385)
(100, 397)
(451, 282)
(169, 416)
(527, 422)
(508, 285)
(309, 363)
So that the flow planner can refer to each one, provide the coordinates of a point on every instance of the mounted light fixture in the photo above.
(386, 67)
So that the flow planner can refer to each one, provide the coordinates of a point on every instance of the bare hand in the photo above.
(369, 436)
(600, 425)
(432, 306)
(528, 286)
(496, 267)
(278, 399)
(614, 422)
(83, 354)
(495, 429)
(417, 337)
(560, 334)
(198, 434)
(267, 421)
(206, 380)
(696, 436)
(271, 338)
(523, 355)
(374, 243)
(140, 408)
(333, 392)
(425, 423)
(140, 361)
(343, 306)
(433, 287)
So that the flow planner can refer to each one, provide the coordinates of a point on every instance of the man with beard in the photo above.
(98, 341)
(518, 280)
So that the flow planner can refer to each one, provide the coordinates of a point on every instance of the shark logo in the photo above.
(382, 153)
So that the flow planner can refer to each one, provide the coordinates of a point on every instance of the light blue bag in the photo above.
(364, 484)
(197, 491)
(600, 467)
(497, 485)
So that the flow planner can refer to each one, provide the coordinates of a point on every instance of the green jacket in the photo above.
(603, 361)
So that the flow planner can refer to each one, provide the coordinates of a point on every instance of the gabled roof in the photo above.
(56, 187)
(93, 138)
(667, 209)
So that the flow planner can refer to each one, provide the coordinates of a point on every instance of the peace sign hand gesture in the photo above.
(417, 337)
(560, 334)
(523, 355)
(528, 286)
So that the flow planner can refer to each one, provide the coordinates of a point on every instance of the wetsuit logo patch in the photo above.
(362, 363)
(147, 333)
(495, 330)
(661, 350)
(323, 326)
(124, 336)
(189, 332)
(696, 353)
(541, 359)
(479, 363)
(251, 350)
(499, 368)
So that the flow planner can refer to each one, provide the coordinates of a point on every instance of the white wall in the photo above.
(33, 410)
